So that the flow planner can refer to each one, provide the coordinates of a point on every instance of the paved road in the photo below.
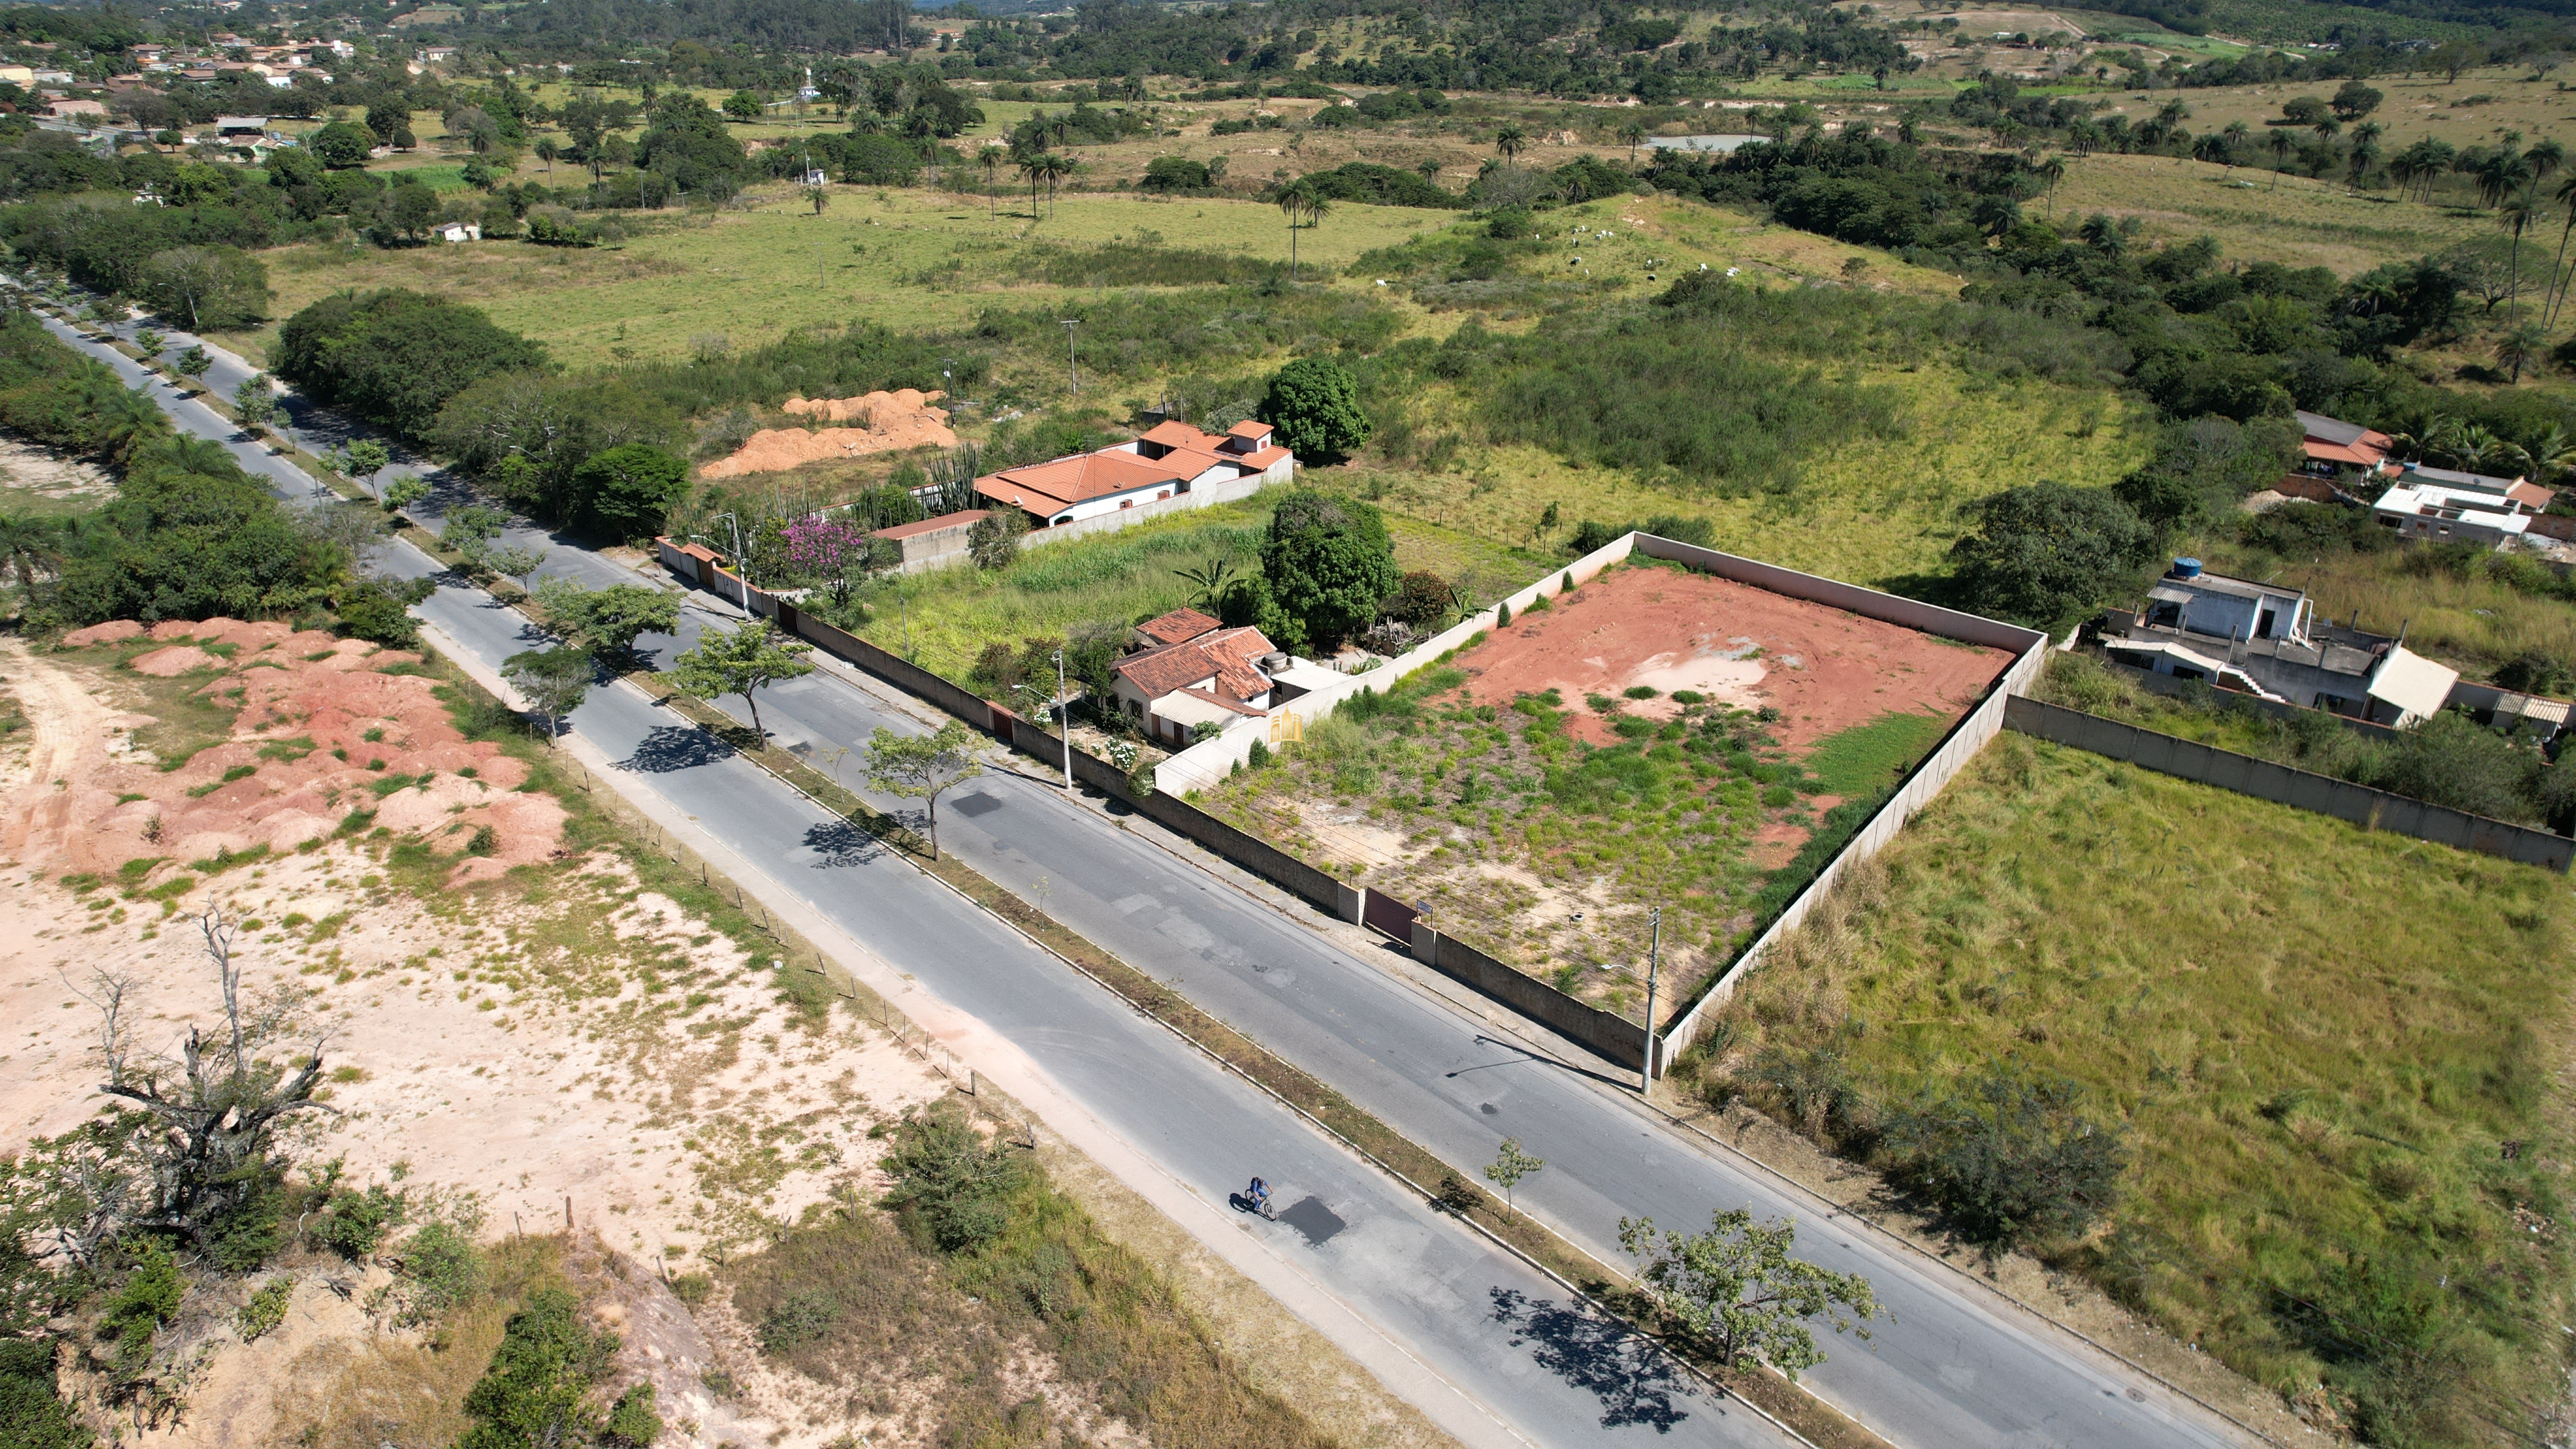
(1951, 1367)
(1543, 1368)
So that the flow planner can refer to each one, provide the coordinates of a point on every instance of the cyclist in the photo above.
(1259, 1195)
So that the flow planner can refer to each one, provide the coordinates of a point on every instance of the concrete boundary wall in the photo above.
(1212, 760)
(2300, 789)
(1214, 493)
(1920, 788)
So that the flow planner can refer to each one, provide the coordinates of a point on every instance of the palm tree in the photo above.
(1054, 168)
(1296, 199)
(990, 158)
(1033, 167)
(2553, 453)
(29, 545)
(2567, 201)
(1509, 141)
(2517, 213)
(2282, 146)
(2519, 346)
(1632, 131)
(2501, 173)
(1210, 578)
(2052, 171)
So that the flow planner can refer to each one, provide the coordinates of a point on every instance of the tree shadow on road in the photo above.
(671, 748)
(843, 843)
(1598, 1355)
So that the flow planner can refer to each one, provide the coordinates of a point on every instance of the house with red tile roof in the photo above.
(1169, 461)
(2332, 443)
(1208, 674)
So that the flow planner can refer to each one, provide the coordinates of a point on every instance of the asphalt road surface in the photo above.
(1949, 1365)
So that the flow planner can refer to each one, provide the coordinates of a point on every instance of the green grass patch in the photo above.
(1870, 757)
(226, 858)
(288, 751)
(2332, 1052)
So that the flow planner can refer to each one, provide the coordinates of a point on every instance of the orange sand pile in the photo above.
(307, 703)
(890, 422)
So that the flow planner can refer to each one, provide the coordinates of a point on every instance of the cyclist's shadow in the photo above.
(1243, 1203)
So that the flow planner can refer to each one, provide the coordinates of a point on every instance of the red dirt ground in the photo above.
(94, 805)
(1823, 669)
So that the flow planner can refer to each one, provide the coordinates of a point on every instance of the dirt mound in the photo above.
(324, 738)
(172, 662)
(114, 631)
(891, 422)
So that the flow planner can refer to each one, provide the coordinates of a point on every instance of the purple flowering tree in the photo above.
(840, 553)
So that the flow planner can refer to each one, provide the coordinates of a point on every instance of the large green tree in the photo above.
(530, 434)
(208, 287)
(396, 357)
(2042, 553)
(740, 661)
(342, 145)
(624, 492)
(1327, 564)
(1314, 403)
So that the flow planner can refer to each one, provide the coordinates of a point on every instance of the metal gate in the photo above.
(1388, 916)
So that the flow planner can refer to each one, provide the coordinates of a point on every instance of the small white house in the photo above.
(1169, 460)
(460, 231)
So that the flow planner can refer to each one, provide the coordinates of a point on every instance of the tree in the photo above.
(1736, 1289)
(608, 621)
(149, 343)
(255, 402)
(626, 492)
(1208, 581)
(742, 106)
(198, 1144)
(2354, 101)
(215, 287)
(341, 145)
(406, 490)
(990, 158)
(1510, 1166)
(2045, 551)
(995, 539)
(921, 767)
(1314, 403)
(538, 1390)
(1421, 600)
(395, 357)
(841, 553)
(367, 458)
(2010, 1158)
(1509, 140)
(515, 561)
(1327, 565)
(552, 681)
(2520, 346)
(193, 364)
(1633, 131)
(740, 661)
(29, 546)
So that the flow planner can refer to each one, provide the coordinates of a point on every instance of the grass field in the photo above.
(2258, 216)
(1125, 576)
(2476, 109)
(1880, 511)
(912, 258)
(2333, 1053)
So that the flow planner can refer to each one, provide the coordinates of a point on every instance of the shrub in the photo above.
(2010, 1158)
(994, 541)
(800, 1320)
(2040, 553)
(441, 1269)
(148, 1298)
(538, 1388)
(633, 1422)
(624, 492)
(951, 1187)
(262, 1314)
(32, 1412)
(354, 1224)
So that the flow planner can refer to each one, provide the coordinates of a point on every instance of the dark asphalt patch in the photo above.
(971, 806)
(1317, 1222)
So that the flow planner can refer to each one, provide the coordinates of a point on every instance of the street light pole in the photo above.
(742, 566)
(1654, 956)
(1072, 375)
(1063, 722)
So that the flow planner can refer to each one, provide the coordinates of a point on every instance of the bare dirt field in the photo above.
(1823, 670)
(1657, 737)
(610, 1084)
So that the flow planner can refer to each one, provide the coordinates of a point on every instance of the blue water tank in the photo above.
(2185, 568)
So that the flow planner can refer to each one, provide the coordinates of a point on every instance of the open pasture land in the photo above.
(1658, 736)
(2475, 110)
(2335, 1055)
(2258, 215)
(908, 258)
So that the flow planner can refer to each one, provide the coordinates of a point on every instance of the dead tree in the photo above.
(202, 1126)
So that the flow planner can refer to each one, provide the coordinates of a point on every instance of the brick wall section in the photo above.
(2300, 789)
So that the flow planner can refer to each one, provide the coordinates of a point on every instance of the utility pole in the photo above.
(1654, 956)
(1071, 375)
(1063, 721)
(741, 565)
